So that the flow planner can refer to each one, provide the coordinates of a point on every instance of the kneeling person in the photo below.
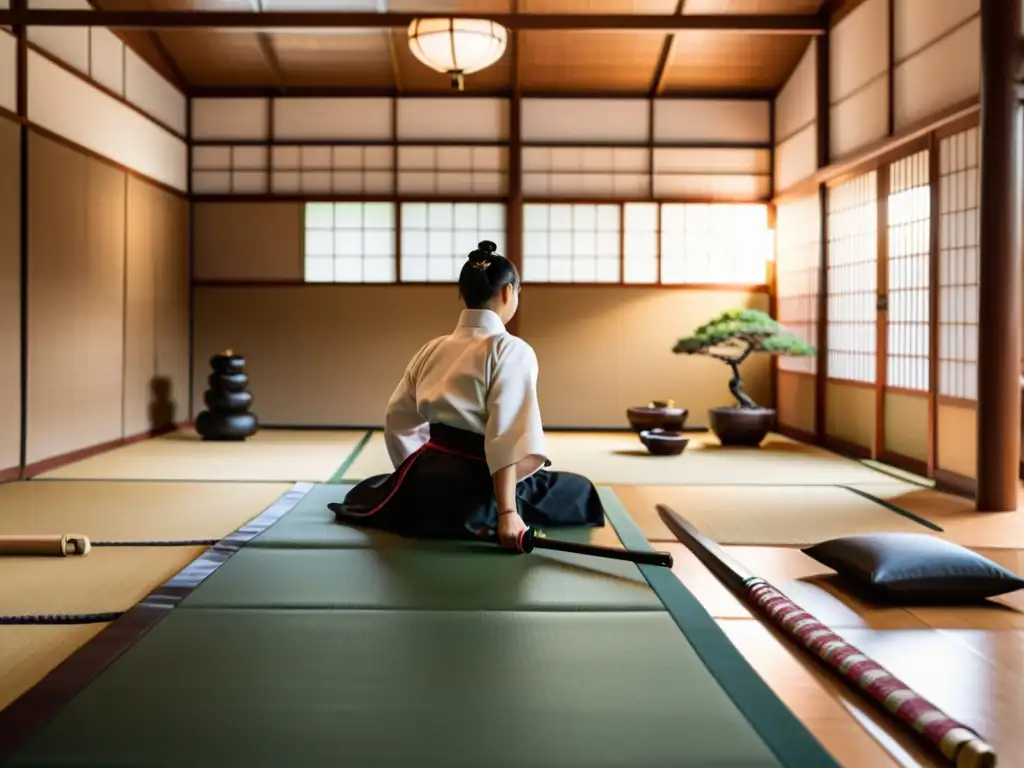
(464, 433)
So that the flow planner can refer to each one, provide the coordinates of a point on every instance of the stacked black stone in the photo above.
(227, 401)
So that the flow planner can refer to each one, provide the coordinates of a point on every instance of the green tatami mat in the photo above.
(415, 689)
(425, 576)
(311, 525)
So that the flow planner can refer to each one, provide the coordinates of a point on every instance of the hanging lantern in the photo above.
(457, 47)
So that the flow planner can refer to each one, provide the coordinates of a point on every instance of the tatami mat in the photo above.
(766, 515)
(618, 458)
(107, 579)
(133, 511)
(270, 455)
(311, 525)
(429, 576)
(28, 654)
(406, 688)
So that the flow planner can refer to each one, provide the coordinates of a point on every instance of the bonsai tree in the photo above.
(733, 336)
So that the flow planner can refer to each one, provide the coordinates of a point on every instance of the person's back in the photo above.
(465, 421)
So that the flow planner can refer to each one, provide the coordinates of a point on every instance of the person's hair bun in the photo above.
(487, 246)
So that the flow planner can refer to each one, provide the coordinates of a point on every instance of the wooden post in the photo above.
(21, 38)
(999, 309)
(824, 133)
(514, 201)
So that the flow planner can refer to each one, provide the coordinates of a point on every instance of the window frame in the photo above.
(398, 203)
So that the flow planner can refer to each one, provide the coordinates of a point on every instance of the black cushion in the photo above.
(915, 567)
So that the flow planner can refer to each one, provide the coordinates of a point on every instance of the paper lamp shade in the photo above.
(457, 45)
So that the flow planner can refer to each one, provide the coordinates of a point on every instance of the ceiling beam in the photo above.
(339, 92)
(668, 52)
(266, 47)
(396, 67)
(772, 24)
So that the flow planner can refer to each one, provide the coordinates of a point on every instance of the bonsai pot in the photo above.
(659, 414)
(664, 442)
(746, 427)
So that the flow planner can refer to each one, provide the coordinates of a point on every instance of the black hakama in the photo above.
(444, 490)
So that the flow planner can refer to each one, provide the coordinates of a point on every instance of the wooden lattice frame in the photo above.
(852, 261)
(435, 249)
(908, 270)
(797, 276)
(362, 239)
(959, 263)
(572, 242)
(714, 243)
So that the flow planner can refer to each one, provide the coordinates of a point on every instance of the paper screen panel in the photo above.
(107, 60)
(959, 264)
(230, 169)
(451, 120)
(69, 106)
(8, 72)
(149, 91)
(461, 171)
(909, 290)
(230, 120)
(325, 120)
(711, 121)
(598, 121)
(586, 172)
(797, 103)
(712, 173)
(798, 270)
(796, 158)
(853, 279)
(858, 49)
(714, 243)
(571, 243)
(341, 170)
(68, 44)
(350, 243)
(641, 248)
(438, 237)
(945, 73)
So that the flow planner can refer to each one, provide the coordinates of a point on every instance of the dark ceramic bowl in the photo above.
(645, 417)
(663, 442)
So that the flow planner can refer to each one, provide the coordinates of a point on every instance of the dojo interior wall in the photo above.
(107, 248)
(934, 71)
(331, 353)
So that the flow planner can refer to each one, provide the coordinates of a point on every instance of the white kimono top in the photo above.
(480, 379)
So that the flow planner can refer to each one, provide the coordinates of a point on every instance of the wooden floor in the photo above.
(967, 661)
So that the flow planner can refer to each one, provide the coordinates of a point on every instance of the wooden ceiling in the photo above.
(549, 61)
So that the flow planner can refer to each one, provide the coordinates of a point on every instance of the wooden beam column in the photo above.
(823, 132)
(514, 202)
(999, 290)
(21, 73)
(189, 192)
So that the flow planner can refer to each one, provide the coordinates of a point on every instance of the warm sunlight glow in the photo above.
(797, 272)
(909, 273)
(715, 243)
(958, 265)
(437, 238)
(571, 243)
(853, 279)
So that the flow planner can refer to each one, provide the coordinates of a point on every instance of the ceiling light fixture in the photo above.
(457, 47)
